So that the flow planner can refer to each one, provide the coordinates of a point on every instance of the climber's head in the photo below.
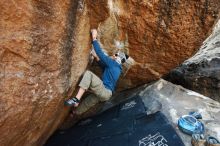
(120, 57)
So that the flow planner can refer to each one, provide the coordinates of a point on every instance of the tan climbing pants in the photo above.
(94, 83)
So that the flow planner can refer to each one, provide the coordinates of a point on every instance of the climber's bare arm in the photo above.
(95, 55)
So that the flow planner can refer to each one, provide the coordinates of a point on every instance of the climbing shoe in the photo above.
(198, 140)
(212, 141)
(71, 102)
(195, 114)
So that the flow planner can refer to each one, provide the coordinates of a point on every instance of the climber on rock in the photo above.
(102, 88)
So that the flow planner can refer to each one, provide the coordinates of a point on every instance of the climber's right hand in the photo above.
(94, 34)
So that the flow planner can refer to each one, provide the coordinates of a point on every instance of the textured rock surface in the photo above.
(201, 73)
(158, 35)
(177, 101)
(44, 50)
(41, 45)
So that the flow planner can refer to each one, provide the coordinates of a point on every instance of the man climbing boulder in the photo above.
(102, 88)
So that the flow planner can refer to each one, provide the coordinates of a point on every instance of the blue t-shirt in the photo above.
(111, 69)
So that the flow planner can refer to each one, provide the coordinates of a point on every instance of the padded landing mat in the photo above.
(123, 125)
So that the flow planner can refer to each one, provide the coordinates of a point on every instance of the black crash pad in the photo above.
(125, 124)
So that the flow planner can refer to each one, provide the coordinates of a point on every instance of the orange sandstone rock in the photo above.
(43, 52)
(45, 45)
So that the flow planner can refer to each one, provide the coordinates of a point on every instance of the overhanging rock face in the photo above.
(158, 35)
(45, 46)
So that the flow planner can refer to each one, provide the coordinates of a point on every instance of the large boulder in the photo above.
(158, 35)
(201, 72)
(45, 46)
(43, 49)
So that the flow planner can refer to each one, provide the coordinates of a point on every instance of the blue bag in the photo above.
(190, 125)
